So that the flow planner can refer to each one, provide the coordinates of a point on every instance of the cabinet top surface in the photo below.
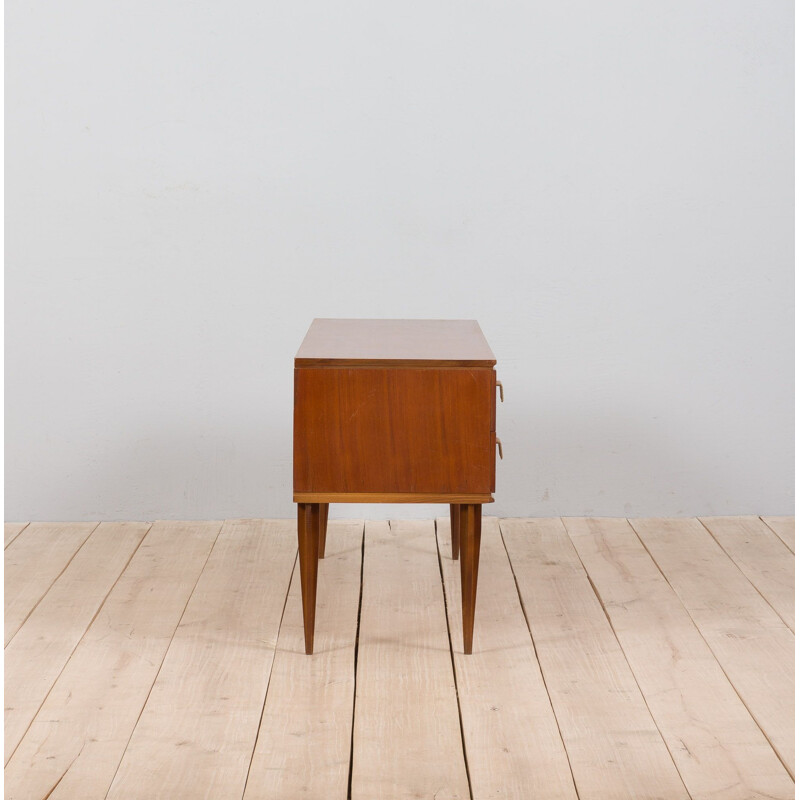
(396, 342)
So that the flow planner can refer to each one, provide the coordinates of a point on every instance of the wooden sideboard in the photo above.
(394, 411)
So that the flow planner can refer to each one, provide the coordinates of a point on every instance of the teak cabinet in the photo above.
(393, 411)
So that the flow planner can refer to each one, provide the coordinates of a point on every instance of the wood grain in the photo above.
(393, 430)
(783, 528)
(77, 739)
(513, 746)
(751, 643)
(323, 527)
(614, 747)
(34, 561)
(455, 527)
(303, 747)
(394, 342)
(407, 739)
(12, 530)
(388, 497)
(36, 655)
(196, 734)
(308, 525)
(761, 556)
(469, 529)
(718, 749)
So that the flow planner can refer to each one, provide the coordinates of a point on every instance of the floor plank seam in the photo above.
(36, 604)
(452, 659)
(777, 535)
(711, 649)
(536, 655)
(269, 680)
(63, 774)
(355, 665)
(22, 530)
(163, 659)
(735, 630)
(630, 669)
(82, 636)
(743, 573)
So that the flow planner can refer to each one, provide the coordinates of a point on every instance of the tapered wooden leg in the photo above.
(308, 530)
(323, 527)
(470, 534)
(455, 520)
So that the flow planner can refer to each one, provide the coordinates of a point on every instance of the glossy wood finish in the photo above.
(393, 430)
(393, 411)
(470, 536)
(455, 527)
(395, 342)
(389, 497)
(323, 527)
(308, 530)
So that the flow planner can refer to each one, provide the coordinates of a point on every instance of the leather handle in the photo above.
(499, 446)
(499, 385)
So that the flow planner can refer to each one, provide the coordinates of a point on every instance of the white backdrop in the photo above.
(607, 187)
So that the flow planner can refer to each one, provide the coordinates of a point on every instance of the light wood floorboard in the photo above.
(79, 736)
(407, 737)
(12, 530)
(35, 657)
(625, 659)
(33, 561)
(753, 645)
(303, 747)
(500, 686)
(784, 528)
(613, 744)
(761, 556)
(719, 750)
(197, 731)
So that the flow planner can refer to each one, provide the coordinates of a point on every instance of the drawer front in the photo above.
(394, 430)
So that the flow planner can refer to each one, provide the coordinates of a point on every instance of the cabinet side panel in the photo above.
(393, 430)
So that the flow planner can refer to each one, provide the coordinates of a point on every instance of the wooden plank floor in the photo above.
(612, 659)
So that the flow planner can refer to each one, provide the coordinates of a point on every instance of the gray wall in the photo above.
(606, 187)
